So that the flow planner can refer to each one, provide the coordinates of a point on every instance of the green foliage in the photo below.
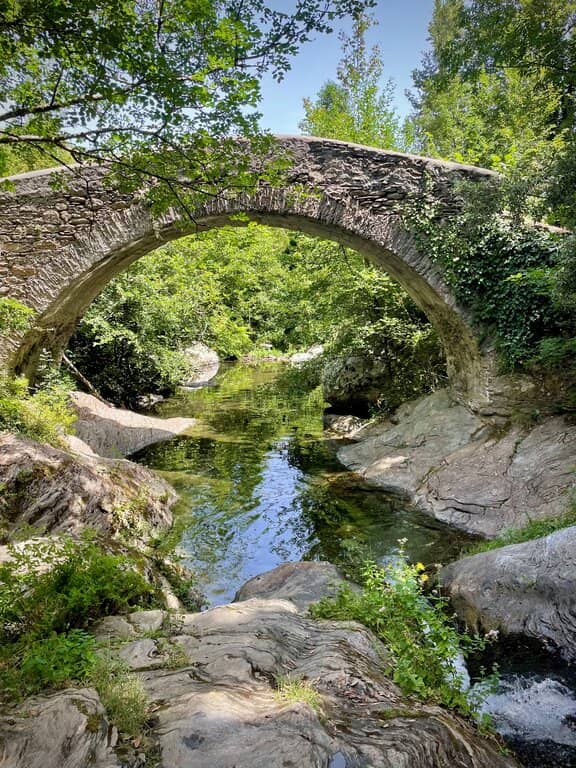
(51, 590)
(357, 107)
(121, 692)
(415, 628)
(535, 529)
(76, 79)
(502, 271)
(54, 662)
(14, 316)
(44, 415)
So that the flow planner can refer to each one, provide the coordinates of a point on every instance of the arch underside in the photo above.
(124, 237)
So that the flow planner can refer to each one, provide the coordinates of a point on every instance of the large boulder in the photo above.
(66, 730)
(214, 682)
(354, 383)
(203, 365)
(115, 432)
(463, 472)
(397, 456)
(523, 589)
(504, 481)
(60, 492)
(302, 582)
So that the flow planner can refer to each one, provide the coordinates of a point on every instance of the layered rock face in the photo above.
(59, 492)
(463, 472)
(523, 589)
(212, 681)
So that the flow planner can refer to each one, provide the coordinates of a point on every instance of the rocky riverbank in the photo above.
(465, 473)
(213, 684)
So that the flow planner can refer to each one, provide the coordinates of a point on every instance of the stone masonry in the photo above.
(64, 236)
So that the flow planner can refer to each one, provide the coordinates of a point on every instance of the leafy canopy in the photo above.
(156, 87)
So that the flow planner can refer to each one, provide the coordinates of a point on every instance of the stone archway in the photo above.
(61, 244)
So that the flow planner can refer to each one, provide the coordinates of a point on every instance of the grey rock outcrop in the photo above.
(204, 365)
(58, 492)
(222, 708)
(302, 583)
(305, 357)
(114, 432)
(504, 481)
(66, 730)
(462, 471)
(398, 456)
(523, 589)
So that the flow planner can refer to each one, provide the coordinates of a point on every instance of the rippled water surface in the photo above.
(260, 485)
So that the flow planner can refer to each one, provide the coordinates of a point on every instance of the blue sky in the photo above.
(401, 34)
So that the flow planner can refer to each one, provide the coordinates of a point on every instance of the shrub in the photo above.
(50, 592)
(416, 629)
(43, 416)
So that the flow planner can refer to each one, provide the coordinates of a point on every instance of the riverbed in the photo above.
(260, 485)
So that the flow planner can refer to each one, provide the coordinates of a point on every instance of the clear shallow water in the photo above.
(260, 485)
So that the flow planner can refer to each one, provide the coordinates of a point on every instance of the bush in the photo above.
(44, 416)
(50, 592)
(416, 629)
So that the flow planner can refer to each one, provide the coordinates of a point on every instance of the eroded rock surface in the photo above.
(398, 456)
(505, 482)
(302, 583)
(463, 472)
(212, 681)
(58, 492)
(523, 589)
(114, 432)
(66, 730)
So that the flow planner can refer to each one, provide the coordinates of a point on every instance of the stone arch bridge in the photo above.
(61, 244)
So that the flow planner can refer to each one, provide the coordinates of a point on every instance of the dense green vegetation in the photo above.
(474, 102)
(52, 590)
(44, 415)
(414, 627)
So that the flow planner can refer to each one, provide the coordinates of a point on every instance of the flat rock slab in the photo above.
(457, 469)
(398, 456)
(222, 708)
(66, 730)
(495, 484)
(114, 432)
(302, 583)
(523, 589)
(58, 492)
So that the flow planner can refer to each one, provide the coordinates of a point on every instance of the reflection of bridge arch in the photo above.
(60, 245)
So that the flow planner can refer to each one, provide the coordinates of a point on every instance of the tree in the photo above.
(356, 107)
(155, 88)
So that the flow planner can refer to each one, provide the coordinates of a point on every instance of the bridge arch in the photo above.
(60, 244)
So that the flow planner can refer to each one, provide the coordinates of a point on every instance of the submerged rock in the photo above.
(523, 589)
(66, 730)
(114, 432)
(458, 469)
(57, 492)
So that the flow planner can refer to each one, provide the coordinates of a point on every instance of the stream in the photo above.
(259, 485)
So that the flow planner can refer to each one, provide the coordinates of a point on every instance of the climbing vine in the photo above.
(499, 268)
